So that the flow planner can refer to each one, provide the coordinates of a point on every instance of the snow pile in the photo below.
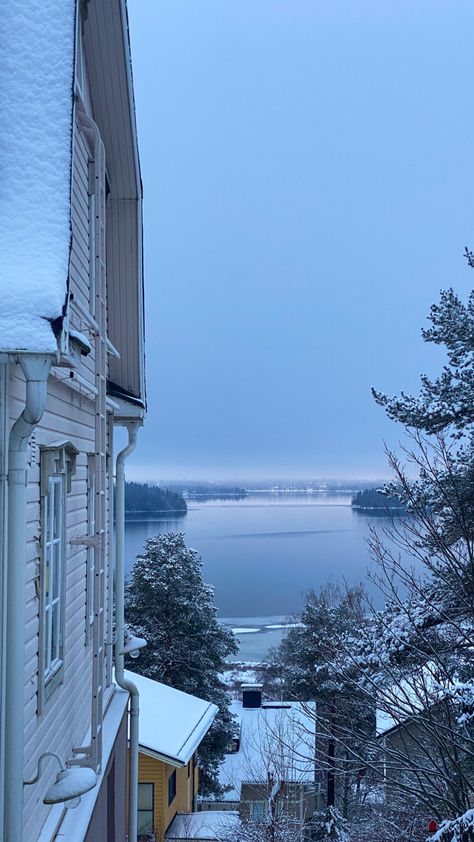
(209, 825)
(36, 96)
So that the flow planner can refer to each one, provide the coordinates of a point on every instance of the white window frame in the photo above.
(53, 570)
(57, 466)
(91, 550)
(92, 237)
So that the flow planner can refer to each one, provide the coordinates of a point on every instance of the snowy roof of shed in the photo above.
(36, 105)
(172, 724)
(408, 698)
(278, 738)
(204, 825)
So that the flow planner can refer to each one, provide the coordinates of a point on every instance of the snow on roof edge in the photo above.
(36, 103)
(196, 717)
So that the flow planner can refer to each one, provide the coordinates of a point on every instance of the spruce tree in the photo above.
(169, 604)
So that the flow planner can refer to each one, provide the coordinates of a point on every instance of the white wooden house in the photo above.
(71, 367)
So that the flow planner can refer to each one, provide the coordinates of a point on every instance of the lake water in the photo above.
(262, 553)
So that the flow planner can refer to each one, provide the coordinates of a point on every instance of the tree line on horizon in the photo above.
(141, 497)
(373, 498)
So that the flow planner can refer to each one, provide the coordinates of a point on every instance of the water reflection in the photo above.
(263, 552)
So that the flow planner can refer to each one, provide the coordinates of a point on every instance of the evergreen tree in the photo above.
(447, 402)
(329, 825)
(305, 667)
(169, 604)
(141, 497)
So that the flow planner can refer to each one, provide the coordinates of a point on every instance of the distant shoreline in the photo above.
(382, 509)
(155, 512)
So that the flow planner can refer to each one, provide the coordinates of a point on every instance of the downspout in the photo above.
(129, 686)
(36, 370)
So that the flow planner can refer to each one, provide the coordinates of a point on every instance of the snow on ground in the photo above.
(243, 673)
(36, 96)
(203, 825)
(245, 630)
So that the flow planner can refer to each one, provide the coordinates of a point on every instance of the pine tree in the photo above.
(447, 402)
(305, 667)
(169, 604)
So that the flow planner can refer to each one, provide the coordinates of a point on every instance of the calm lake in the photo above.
(262, 553)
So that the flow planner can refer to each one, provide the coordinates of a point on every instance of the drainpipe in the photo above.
(129, 686)
(36, 369)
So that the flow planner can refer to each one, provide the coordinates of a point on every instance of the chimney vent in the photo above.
(251, 695)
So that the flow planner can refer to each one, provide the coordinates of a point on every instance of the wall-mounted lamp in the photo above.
(132, 645)
(70, 783)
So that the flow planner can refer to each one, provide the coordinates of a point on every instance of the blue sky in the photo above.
(309, 188)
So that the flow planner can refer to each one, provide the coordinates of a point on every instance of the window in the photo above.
(233, 746)
(257, 810)
(145, 809)
(171, 787)
(92, 237)
(90, 601)
(58, 462)
(53, 575)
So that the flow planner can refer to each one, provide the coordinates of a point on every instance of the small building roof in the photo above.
(207, 825)
(172, 724)
(36, 103)
(277, 739)
(410, 697)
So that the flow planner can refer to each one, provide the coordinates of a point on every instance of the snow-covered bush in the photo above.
(457, 830)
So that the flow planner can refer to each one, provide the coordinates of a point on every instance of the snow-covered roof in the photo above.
(277, 739)
(36, 99)
(206, 825)
(413, 694)
(171, 724)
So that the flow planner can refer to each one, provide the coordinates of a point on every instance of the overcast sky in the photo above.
(308, 170)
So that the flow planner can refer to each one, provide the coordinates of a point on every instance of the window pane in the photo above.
(46, 647)
(56, 583)
(171, 787)
(55, 632)
(145, 796)
(47, 516)
(145, 822)
(52, 574)
(47, 574)
(57, 509)
(257, 810)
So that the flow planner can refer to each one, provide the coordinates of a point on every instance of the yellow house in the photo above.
(172, 725)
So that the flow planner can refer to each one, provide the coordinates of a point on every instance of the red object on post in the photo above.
(432, 826)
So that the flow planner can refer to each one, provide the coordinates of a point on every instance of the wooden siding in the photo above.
(66, 714)
(156, 772)
(107, 56)
(108, 62)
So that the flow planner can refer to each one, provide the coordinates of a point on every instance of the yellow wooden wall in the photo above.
(156, 772)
